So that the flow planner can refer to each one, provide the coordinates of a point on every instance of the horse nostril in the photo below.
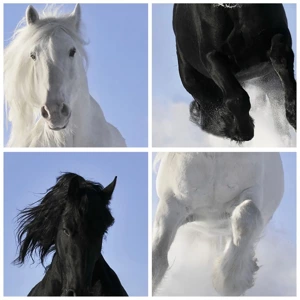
(71, 293)
(65, 110)
(44, 112)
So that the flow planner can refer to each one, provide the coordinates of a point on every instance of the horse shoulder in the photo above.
(96, 109)
(109, 133)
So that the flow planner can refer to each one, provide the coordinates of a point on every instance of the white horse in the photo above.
(230, 197)
(46, 89)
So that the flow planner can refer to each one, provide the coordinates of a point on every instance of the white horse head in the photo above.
(44, 68)
(46, 87)
(54, 61)
(43, 60)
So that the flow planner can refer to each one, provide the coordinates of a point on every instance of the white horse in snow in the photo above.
(229, 196)
(46, 87)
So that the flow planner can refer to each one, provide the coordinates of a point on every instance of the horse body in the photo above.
(219, 49)
(71, 220)
(228, 195)
(46, 86)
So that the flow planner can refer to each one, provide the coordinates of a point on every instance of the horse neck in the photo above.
(110, 284)
(89, 122)
(81, 99)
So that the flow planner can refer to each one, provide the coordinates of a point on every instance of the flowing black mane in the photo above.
(38, 223)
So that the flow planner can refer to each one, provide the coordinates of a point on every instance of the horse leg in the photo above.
(276, 98)
(282, 58)
(170, 215)
(234, 271)
(207, 110)
(198, 85)
(235, 97)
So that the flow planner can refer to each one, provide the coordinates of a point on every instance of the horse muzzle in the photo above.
(57, 115)
(75, 293)
(69, 293)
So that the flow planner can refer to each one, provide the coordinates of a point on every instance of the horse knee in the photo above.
(280, 53)
(215, 60)
(278, 44)
(239, 103)
(246, 222)
(159, 267)
(160, 263)
(211, 55)
(159, 260)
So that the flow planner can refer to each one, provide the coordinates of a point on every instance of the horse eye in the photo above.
(72, 52)
(32, 55)
(66, 232)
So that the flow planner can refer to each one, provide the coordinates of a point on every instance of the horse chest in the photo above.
(214, 179)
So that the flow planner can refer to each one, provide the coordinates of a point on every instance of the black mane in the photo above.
(38, 223)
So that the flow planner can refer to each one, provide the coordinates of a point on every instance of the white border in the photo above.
(148, 149)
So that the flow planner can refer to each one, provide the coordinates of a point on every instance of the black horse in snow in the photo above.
(219, 47)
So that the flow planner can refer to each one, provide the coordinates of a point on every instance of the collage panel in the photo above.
(224, 224)
(75, 224)
(76, 75)
(83, 222)
(224, 75)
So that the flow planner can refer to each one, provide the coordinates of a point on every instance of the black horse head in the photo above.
(71, 220)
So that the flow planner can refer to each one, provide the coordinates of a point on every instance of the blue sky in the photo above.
(171, 125)
(118, 62)
(126, 247)
(279, 240)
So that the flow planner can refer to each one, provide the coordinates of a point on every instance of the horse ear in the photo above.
(75, 187)
(108, 191)
(75, 16)
(31, 15)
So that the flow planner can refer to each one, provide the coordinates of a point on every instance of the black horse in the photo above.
(71, 221)
(219, 47)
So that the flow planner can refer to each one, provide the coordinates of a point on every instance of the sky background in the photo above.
(118, 62)
(171, 125)
(126, 246)
(276, 251)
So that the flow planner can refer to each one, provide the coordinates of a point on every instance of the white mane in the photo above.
(21, 108)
